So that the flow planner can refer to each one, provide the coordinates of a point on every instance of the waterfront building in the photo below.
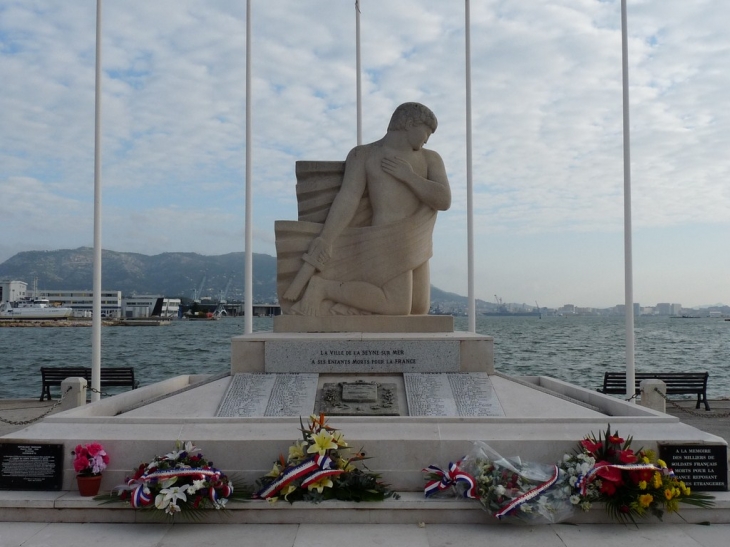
(150, 305)
(82, 301)
(12, 290)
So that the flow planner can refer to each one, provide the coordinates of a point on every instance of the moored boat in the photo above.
(37, 308)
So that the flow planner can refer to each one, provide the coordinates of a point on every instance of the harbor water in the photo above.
(575, 349)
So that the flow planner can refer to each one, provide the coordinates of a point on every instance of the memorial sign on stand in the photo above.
(30, 466)
(702, 467)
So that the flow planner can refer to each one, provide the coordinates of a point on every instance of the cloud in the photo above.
(547, 119)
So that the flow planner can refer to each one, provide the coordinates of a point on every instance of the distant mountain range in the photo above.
(170, 274)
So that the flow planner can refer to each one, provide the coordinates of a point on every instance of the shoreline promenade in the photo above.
(650, 532)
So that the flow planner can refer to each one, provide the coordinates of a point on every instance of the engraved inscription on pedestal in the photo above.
(358, 399)
(453, 394)
(251, 395)
(362, 356)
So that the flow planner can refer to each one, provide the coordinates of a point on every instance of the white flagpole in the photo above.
(628, 260)
(469, 184)
(248, 268)
(358, 68)
(96, 300)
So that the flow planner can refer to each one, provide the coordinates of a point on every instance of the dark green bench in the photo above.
(110, 377)
(678, 383)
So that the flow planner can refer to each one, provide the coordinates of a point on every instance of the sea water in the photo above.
(573, 348)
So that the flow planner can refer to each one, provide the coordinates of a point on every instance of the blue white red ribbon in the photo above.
(140, 495)
(302, 470)
(314, 477)
(449, 478)
(529, 495)
(584, 480)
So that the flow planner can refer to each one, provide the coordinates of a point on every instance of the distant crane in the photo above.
(198, 293)
(224, 293)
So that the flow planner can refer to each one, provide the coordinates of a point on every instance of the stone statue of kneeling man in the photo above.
(381, 268)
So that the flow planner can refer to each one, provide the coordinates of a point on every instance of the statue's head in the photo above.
(416, 113)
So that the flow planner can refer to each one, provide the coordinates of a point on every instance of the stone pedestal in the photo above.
(362, 352)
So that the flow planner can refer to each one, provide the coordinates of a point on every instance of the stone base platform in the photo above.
(543, 419)
(364, 352)
(411, 508)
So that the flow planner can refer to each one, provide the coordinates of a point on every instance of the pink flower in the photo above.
(90, 459)
(81, 462)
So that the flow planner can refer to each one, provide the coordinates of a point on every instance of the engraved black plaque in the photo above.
(31, 466)
(702, 467)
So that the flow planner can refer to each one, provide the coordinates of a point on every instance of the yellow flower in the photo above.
(668, 493)
(657, 480)
(661, 464)
(339, 438)
(296, 451)
(684, 488)
(645, 460)
(275, 471)
(645, 500)
(345, 465)
(650, 454)
(321, 484)
(642, 485)
(288, 490)
(322, 442)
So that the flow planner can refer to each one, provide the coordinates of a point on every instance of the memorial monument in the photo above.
(355, 342)
(355, 266)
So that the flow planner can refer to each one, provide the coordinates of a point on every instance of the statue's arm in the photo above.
(348, 198)
(434, 190)
(340, 214)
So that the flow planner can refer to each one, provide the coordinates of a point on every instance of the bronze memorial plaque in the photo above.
(358, 398)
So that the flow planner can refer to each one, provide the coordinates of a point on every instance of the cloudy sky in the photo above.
(547, 126)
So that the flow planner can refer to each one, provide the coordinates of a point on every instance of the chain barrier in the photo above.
(704, 414)
(102, 393)
(32, 420)
(634, 396)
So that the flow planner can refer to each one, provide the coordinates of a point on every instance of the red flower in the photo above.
(591, 446)
(642, 475)
(609, 473)
(608, 488)
(627, 456)
(81, 462)
(615, 439)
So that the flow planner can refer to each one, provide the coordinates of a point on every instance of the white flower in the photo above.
(572, 480)
(167, 483)
(197, 485)
(188, 447)
(575, 500)
(167, 498)
(500, 490)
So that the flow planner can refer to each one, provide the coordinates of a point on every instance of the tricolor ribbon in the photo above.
(209, 474)
(304, 469)
(449, 478)
(314, 477)
(584, 480)
(140, 495)
(529, 495)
